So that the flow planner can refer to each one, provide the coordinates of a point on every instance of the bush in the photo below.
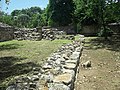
(105, 32)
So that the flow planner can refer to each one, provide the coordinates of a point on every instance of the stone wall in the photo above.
(48, 34)
(53, 33)
(58, 72)
(115, 27)
(6, 32)
(67, 29)
(9, 33)
(61, 30)
(28, 34)
(90, 30)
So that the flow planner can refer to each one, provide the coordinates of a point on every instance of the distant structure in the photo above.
(6, 32)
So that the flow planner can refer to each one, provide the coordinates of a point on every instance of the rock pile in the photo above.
(58, 72)
(48, 34)
(28, 34)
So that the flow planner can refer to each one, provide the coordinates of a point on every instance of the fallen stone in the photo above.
(86, 64)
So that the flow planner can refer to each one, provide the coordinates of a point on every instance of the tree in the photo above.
(23, 20)
(97, 11)
(15, 12)
(34, 15)
(60, 12)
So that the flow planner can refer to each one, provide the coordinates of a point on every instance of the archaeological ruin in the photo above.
(58, 72)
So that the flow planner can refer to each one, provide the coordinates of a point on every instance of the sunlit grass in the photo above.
(19, 57)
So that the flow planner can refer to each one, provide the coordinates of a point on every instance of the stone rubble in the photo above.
(57, 73)
(48, 34)
(28, 34)
(38, 34)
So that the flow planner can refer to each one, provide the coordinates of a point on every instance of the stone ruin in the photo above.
(58, 72)
(9, 33)
(54, 33)
(38, 34)
(48, 34)
(6, 32)
(28, 34)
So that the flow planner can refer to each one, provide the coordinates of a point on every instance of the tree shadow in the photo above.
(9, 46)
(101, 43)
(9, 66)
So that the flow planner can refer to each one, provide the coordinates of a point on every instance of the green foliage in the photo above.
(6, 19)
(23, 20)
(60, 12)
(105, 32)
(31, 17)
(19, 57)
(100, 12)
(65, 12)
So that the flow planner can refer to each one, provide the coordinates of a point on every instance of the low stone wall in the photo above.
(67, 37)
(48, 34)
(58, 72)
(67, 29)
(55, 33)
(28, 34)
(90, 30)
(115, 27)
(6, 32)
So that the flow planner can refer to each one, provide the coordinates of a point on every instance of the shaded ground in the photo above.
(105, 71)
(19, 57)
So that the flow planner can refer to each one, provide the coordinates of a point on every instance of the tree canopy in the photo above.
(60, 12)
(66, 12)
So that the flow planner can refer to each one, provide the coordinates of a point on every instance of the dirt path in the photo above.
(105, 71)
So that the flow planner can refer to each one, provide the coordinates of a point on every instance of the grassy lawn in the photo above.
(19, 57)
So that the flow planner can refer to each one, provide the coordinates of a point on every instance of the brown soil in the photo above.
(105, 71)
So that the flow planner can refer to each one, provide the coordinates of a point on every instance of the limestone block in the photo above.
(72, 72)
(58, 86)
(70, 66)
(75, 56)
(35, 78)
(71, 61)
(79, 49)
(65, 78)
(47, 66)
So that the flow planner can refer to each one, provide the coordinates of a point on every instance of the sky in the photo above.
(22, 4)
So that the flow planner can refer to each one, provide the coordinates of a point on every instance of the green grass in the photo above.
(19, 57)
